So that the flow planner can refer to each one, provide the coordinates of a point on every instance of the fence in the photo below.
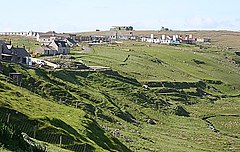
(30, 127)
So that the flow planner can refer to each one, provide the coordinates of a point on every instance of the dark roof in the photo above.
(21, 52)
(5, 48)
(60, 43)
(71, 41)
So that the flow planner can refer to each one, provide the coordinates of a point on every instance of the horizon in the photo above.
(74, 16)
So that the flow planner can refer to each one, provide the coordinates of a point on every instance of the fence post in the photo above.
(34, 132)
(84, 150)
(76, 105)
(8, 117)
(60, 142)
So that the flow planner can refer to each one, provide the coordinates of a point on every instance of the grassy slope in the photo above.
(164, 63)
(115, 101)
(182, 133)
(69, 121)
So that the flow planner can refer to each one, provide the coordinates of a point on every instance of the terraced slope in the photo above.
(157, 98)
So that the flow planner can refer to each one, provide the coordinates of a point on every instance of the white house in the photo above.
(152, 39)
(55, 47)
(203, 40)
(170, 40)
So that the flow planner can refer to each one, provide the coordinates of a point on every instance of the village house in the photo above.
(150, 39)
(122, 35)
(13, 33)
(170, 40)
(188, 39)
(93, 39)
(202, 40)
(174, 40)
(30, 34)
(48, 37)
(55, 47)
(9, 53)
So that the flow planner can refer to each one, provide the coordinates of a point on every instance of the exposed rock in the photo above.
(180, 111)
(151, 121)
(129, 140)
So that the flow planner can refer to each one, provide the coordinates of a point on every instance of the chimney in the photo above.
(152, 36)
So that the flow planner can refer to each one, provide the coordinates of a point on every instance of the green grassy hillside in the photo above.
(188, 88)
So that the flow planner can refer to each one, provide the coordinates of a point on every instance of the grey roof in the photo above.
(48, 47)
(21, 52)
(71, 41)
(61, 43)
(5, 48)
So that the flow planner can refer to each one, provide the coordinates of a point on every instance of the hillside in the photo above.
(155, 98)
(218, 38)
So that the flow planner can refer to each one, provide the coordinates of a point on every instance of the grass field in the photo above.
(110, 110)
(166, 63)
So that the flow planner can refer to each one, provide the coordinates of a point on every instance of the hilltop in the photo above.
(154, 98)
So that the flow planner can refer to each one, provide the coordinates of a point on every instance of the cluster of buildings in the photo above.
(174, 39)
(53, 43)
(30, 33)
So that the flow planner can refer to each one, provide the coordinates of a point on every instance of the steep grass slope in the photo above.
(97, 111)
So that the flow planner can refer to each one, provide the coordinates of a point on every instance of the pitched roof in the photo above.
(44, 48)
(47, 47)
(5, 48)
(71, 41)
(61, 43)
(21, 52)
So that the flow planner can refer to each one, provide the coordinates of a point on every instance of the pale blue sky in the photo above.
(88, 15)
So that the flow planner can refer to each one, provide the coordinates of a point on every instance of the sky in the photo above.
(89, 15)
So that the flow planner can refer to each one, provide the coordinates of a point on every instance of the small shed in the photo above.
(16, 77)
